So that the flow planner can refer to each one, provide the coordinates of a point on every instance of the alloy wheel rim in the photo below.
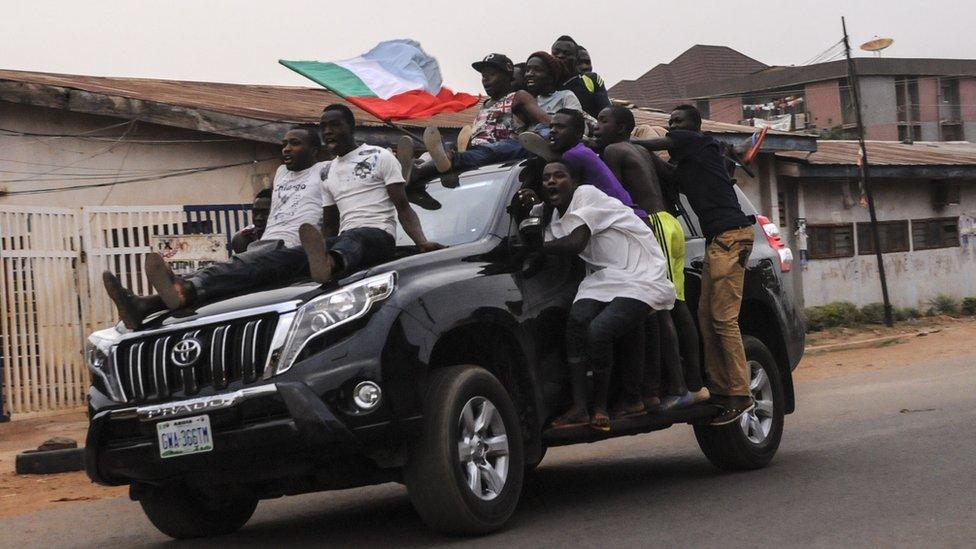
(758, 422)
(483, 448)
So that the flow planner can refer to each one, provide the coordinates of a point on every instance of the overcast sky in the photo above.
(241, 41)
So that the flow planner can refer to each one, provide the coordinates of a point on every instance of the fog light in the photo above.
(366, 395)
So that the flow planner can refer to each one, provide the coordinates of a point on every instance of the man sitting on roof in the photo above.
(494, 136)
(587, 86)
(296, 198)
(259, 217)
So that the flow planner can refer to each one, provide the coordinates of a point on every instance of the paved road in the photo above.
(884, 458)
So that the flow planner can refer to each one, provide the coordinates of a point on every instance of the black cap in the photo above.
(497, 60)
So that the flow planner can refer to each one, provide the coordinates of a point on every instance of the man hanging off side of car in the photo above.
(626, 280)
(701, 174)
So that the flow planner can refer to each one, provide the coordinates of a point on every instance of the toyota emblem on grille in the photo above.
(186, 352)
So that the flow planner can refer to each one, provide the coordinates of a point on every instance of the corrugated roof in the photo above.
(288, 104)
(887, 153)
(666, 84)
(273, 103)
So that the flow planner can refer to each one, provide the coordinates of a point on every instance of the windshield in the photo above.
(466, 212)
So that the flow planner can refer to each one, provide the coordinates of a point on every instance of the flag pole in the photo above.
(865, 175)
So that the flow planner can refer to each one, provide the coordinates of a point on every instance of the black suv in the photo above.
(439, 370)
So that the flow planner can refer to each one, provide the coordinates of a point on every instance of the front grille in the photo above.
(228, 352)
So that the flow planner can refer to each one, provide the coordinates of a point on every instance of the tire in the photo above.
(439, 478)
(750, 443)
(181, 512)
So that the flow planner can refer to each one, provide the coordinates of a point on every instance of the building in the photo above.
(666, 85)
(901, 99)
(925, 197)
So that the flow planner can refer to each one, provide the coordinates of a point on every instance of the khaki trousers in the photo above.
(718, 311)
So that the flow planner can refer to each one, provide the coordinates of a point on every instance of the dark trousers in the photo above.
(593, 329)
(265, 265)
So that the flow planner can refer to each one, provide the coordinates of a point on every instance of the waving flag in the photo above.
(396, 80)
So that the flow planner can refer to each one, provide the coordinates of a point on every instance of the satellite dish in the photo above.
(877, 44)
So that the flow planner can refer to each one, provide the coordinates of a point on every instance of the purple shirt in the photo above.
(595, 172)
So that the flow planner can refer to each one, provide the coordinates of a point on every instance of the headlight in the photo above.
(98, 351)
(331, 310)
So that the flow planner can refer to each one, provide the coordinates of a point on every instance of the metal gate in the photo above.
(51, 262)
(40, 325)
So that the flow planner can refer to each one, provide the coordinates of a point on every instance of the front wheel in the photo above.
(181, 512)
(465, 472)
(751, 442)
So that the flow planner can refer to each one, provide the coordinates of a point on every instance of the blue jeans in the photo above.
(357, 248)
(482, 155)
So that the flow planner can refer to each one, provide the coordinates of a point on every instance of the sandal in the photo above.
(600, 421)
(627, 409)
(570, 419)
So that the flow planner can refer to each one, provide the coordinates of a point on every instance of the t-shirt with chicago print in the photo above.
(296, 198)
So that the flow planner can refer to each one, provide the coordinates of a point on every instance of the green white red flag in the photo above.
(396, 80)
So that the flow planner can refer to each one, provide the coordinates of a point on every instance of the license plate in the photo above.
(180, 437)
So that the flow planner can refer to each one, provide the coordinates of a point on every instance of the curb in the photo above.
(867, 343)
(51, 461)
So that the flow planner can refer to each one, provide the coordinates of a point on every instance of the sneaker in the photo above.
(676, 402)
(319, 262)
(404, 154)
(733, 410)
(175, 292)
(419, 196)
(435, 146)
(464, 137)
(538, 145)
(701, 395)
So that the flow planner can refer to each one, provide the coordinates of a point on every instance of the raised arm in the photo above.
(572, 244)
(525, 104)
(408, 218)
(654, 143)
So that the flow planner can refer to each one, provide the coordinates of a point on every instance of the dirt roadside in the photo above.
(21, 494)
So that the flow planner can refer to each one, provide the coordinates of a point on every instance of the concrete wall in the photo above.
(823, 104)
(914, 277)
(879, 107)
(725, 109)
(967, 97)
(71, 161)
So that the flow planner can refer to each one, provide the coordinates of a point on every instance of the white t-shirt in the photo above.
(296, 198)
(356, 184)
(622, 256)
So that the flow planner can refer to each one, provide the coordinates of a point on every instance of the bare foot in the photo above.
(319, 261)
(175, 292)
(600, 420)
(627, 407)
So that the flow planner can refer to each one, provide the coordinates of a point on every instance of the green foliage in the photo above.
(944, 305)
(969, 306)
(906, 313)
(841, 313)
(873, 313)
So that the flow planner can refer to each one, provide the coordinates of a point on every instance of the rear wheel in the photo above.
(751, 442)
(182, 512)
(465, 472)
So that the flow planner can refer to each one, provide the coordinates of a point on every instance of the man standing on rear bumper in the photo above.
(702, 176)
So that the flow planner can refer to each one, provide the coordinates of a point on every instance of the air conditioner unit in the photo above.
(800, 121)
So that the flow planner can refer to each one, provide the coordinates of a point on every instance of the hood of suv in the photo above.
(282, 297)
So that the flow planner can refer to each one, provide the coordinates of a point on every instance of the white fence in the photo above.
(51, 260)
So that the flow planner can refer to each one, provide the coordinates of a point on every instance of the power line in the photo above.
(174, 173)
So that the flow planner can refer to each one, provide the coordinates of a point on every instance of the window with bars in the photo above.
(831, 241)
(941, 232)
(892, 234)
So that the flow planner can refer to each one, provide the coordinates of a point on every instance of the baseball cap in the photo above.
(497, 60)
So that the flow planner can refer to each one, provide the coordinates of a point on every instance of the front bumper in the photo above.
(260, 433)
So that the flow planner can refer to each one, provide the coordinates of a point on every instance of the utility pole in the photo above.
(865, 174)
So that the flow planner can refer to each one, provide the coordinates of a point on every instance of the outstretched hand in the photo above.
(430, 246)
